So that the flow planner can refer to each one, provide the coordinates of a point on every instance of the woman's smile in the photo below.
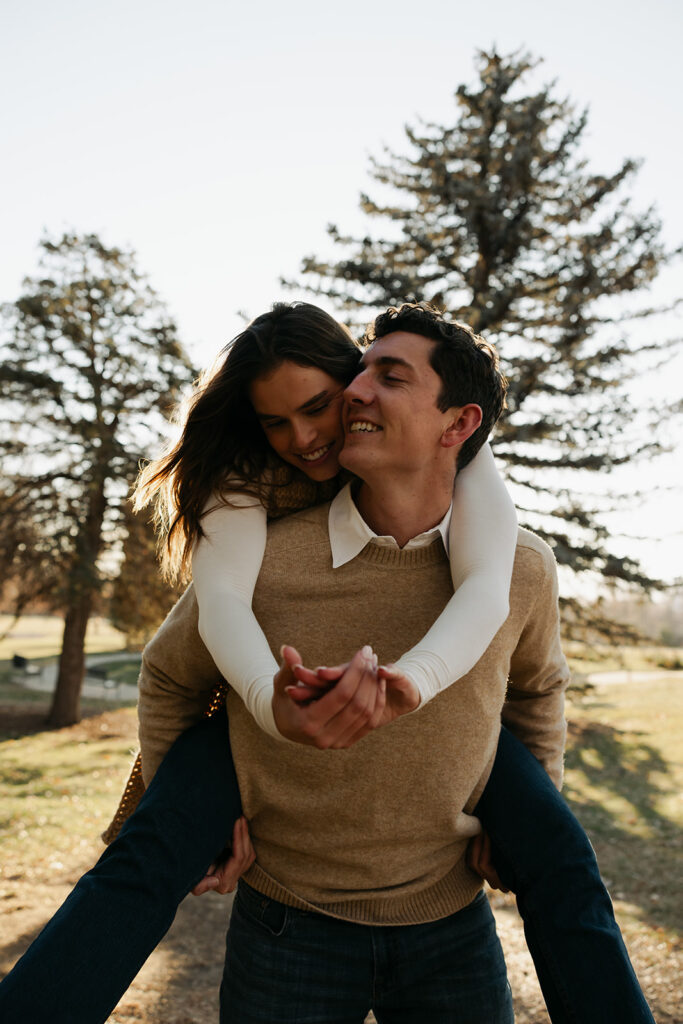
(299, 408)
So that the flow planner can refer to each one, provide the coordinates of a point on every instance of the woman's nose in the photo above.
(303, 435)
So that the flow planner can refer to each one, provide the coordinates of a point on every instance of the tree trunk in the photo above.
(66, 702)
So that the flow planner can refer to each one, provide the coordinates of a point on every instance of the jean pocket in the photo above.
(257, 909)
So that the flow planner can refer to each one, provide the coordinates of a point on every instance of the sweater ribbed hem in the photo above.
(449, 895)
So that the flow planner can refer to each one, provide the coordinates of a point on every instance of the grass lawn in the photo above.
(587, 658)
(60, 789)
(40, 636)
(624, 775)
(624, 778)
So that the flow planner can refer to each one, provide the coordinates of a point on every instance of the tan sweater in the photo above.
(376, 833)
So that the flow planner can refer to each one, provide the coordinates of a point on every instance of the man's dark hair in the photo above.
(467, 365)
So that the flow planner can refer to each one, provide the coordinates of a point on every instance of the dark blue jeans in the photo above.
(543, 854)
(287, 966)
(86, 956)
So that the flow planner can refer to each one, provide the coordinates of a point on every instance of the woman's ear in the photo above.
(462, 424)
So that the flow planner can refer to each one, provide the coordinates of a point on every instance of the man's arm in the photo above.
(539, 675)
(177, 678)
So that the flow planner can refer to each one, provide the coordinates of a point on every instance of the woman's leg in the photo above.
(85, 958)
(543, 854)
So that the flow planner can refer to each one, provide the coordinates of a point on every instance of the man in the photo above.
(361, 895)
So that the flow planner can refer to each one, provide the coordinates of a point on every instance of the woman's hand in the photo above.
(339, 716)
(223, 876)
(402, 695)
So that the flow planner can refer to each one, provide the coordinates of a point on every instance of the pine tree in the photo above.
(90, 361)
(498, 219)
(140, 597)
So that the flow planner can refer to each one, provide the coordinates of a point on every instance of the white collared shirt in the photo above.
(349, 533)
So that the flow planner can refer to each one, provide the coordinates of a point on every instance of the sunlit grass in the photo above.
(587, 658)
(60, 789)
(624, 779)
(40, 636)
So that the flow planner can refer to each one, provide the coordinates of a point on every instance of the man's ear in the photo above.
(462, 424)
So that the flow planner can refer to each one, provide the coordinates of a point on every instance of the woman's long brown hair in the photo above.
(222, 446)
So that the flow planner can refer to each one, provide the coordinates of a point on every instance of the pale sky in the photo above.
(218, 140)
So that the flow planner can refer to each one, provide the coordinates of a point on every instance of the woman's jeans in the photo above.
(86, 956)
(542, 853)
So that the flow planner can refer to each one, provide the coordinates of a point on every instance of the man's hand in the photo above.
(479, 860)
(345, 713)
(224, 874)
(402, 695)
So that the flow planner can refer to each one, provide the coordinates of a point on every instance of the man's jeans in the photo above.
(287, 966)
(86, 956)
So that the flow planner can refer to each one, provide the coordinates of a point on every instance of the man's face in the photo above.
(391, 418)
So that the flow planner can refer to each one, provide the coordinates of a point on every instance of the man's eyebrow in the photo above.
(389, 361)
(302, 408)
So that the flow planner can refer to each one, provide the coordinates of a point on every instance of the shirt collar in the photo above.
(349, 533)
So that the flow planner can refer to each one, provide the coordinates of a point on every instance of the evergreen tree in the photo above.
(90, 361)
(141, 598)
(498, 219)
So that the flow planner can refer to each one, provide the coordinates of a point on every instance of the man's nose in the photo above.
(360, 390)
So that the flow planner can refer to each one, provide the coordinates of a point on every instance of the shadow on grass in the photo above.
(17, 775)
(30, 717)
(622, 783)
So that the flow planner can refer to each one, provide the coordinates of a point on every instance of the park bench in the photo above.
(97, 673)
(23, 665)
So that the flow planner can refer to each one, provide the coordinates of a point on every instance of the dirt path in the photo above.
(179, 983)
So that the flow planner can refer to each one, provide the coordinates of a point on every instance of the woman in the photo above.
(163, 850)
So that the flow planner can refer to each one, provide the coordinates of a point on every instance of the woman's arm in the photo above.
(225, 566)
(482, 540)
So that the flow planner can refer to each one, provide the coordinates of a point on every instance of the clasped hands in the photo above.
(329, 708)
(334, 707)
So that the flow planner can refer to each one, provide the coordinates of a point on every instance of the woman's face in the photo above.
(299, 408)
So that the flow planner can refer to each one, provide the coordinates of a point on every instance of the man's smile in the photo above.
(363, 427)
